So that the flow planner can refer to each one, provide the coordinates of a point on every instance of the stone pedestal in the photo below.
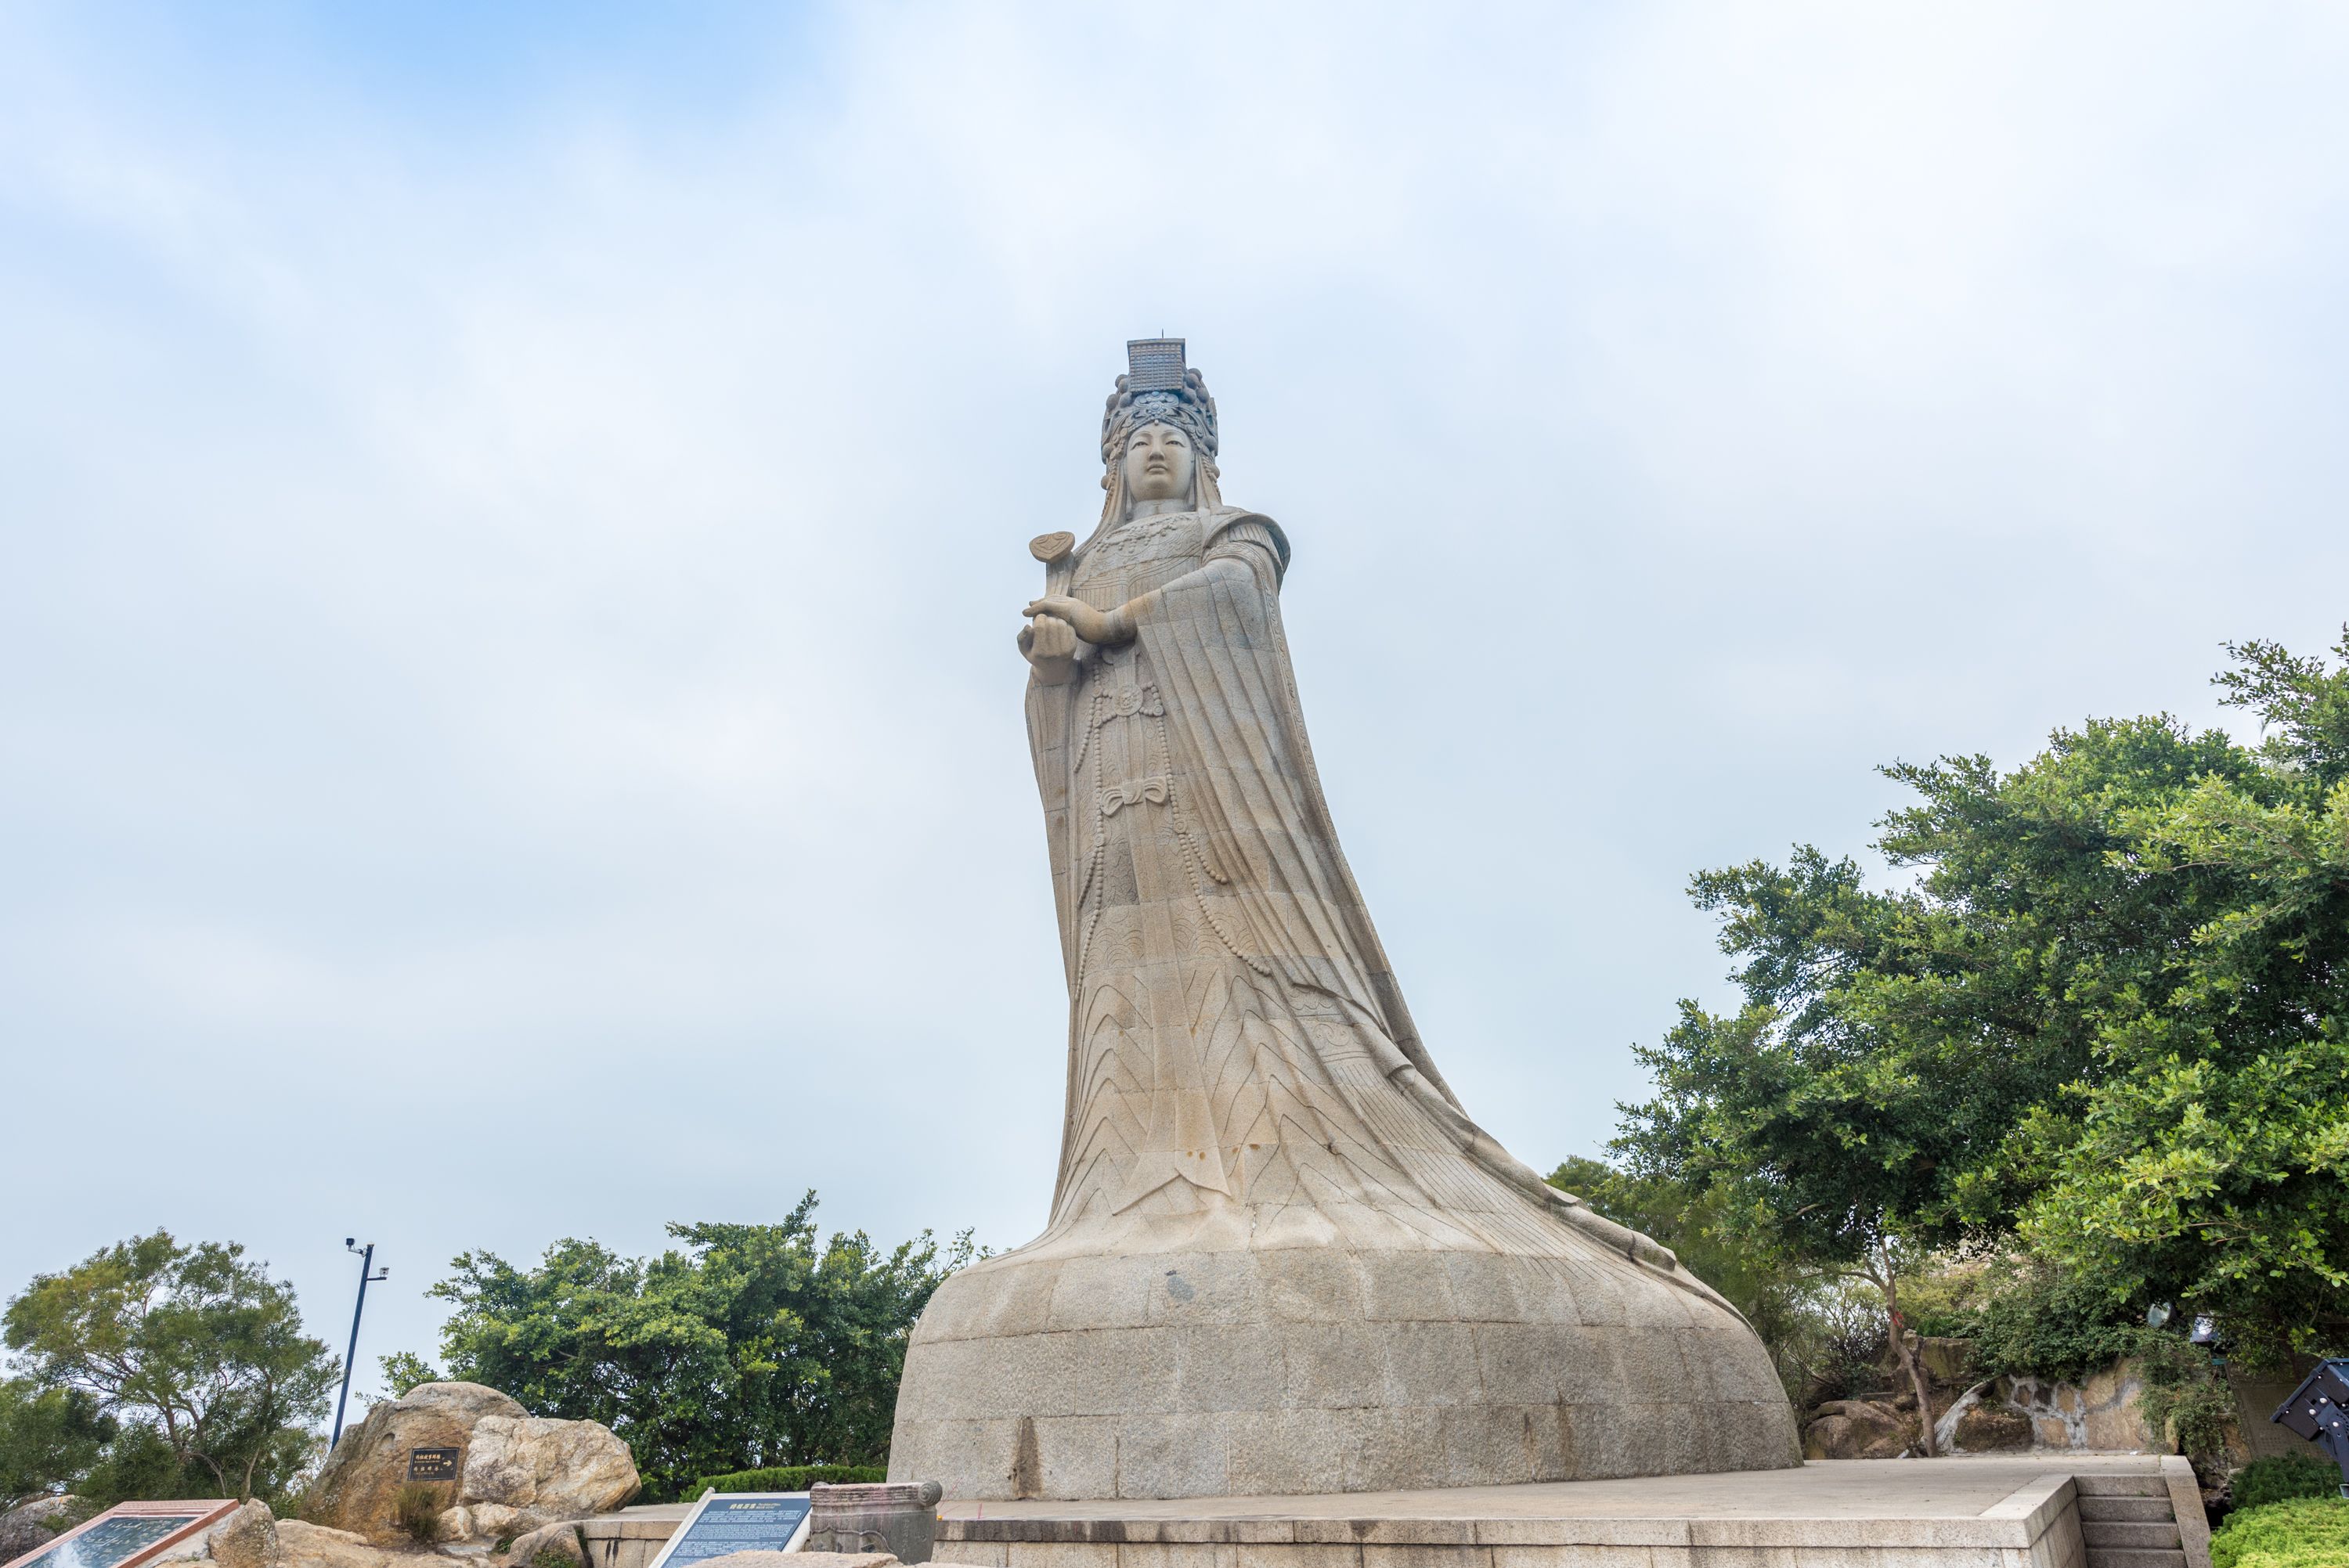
(1325, 1371)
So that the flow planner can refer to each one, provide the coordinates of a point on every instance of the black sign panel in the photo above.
(744, 1521)
(434, 1464)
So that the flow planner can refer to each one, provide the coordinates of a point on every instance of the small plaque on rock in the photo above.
(434, 1464)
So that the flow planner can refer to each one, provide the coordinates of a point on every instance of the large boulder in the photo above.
(1991, 1428)
(515, 1471)
(247, 1538)
(33, 1524)
(543, 1471)
(1859, 1429)
(558, 1540)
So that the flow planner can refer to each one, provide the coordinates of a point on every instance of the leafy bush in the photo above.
(404, 1370)
(2282, 1476)
(749, 1345)
(788, 1478)
(2300, 1532)
(2184, 1396)
(2038, 1322)
(1844, 1352)
(416, 1507)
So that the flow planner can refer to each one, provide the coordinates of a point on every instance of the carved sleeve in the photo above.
(1255, 541)
(1248, 551)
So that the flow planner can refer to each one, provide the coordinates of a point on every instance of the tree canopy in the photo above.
(753, 1346)
(2106, 1018)
(154, 1370)
(49, 1437)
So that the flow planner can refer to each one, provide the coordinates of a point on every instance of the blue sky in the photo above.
(514, 521)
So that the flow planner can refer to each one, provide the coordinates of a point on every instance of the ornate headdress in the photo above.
(1158, 389)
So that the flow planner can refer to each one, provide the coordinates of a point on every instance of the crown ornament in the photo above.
(1158, 388)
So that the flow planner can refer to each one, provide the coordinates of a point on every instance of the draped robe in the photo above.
(1280, 1257)
(1242, 1068)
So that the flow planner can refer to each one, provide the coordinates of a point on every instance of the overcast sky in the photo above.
(513, 522)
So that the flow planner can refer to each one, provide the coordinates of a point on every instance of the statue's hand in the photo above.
(1051, 646)
(1046, 638)
(1093, 626)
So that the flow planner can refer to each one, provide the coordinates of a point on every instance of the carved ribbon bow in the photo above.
(1133, 791)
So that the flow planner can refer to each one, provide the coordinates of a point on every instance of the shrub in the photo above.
(416, 1509)
(1844, 1350)
(2184, 1396)
(2281, 1476)
(788, 1478)
(2300, 1533)
(2039, 1323)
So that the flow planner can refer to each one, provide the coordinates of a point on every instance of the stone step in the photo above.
(2120, 1485)
(2135, 1557)
(2126, 1508)
(2161, 1536)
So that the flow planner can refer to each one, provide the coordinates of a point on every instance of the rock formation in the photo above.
(516, 1471)
(31, 1525)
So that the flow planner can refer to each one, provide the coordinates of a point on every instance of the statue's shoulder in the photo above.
(1238, 522)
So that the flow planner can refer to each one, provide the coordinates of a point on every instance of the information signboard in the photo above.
(128, 1534)
(725, 1522)
(434, 1464)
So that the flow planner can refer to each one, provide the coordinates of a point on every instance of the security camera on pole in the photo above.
(368, 1272)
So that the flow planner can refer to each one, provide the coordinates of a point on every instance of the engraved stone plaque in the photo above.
(434, 1464)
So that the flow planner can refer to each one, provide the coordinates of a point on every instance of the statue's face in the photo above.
(1158, 463)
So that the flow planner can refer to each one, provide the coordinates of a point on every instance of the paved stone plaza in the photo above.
(2095, 1510)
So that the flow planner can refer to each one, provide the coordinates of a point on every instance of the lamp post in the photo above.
(367, 1272)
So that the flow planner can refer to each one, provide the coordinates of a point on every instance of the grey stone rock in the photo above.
(516, 1471)
(563, 1540)
(247, 1538)
(34, 1525)
(522, 1472)
(1859, 1429)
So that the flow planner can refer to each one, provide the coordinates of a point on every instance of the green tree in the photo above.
(755, 1346)
(2207, 1158)
(2106, 1018)
(404, 1370)
(198, 1355)
(49, 1437)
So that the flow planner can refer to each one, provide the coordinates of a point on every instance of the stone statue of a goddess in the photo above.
(1281, 1258)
